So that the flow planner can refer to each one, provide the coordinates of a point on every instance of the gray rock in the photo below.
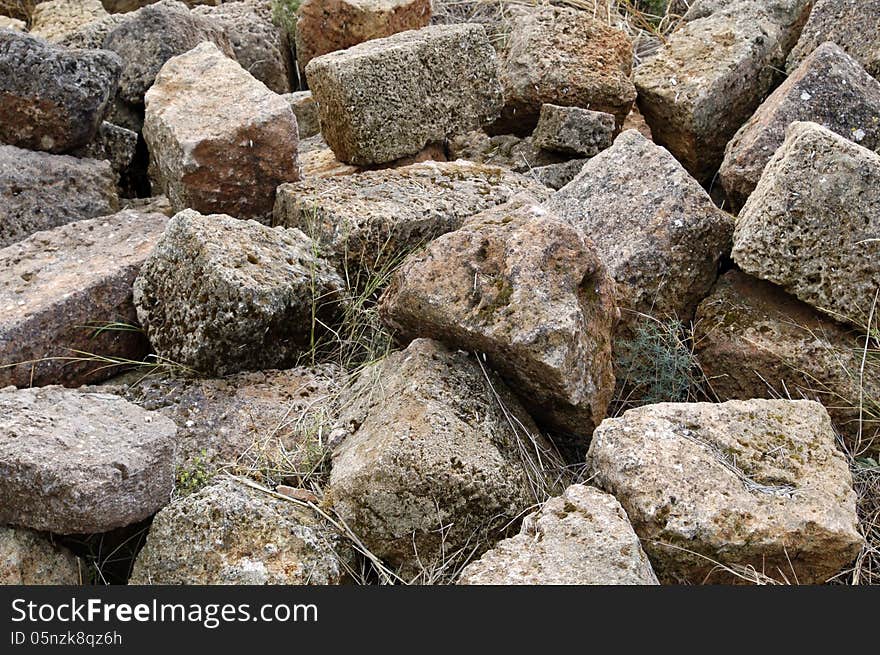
(443, 80)
(39, 191)
(114, 144)
(306, 110)
(788, 15)
(28, 558)
(78, 463)
(91, 35)
(51, 98)
(519, 154)
(556, 176)
(573, 131)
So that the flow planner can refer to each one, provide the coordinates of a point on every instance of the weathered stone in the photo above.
(219, 140)
(28, 558)
(812, 224)
(255, 287)
(324, 26)
(318, 161)
(829, 88)
(371, 220)
(580, 538)
(59, 288)
(518, 154)
(78, 463)
(573, 131)
(754, 341)
(91, 35)
(556, 176)
(114, 144)
(12, 23)
(851, 24)
(52, 98)
(389, 98)
(306, 111)
(230, 533)
(562, 56)
(656, 229)
(788, 16)
(529, 291)
(756, 483)
(55, 19)
(149, 37)
(260, 47)
(434, 464)
(39, 191)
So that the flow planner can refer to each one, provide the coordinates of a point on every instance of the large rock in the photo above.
(220, 295)
(562, 56)
(91, 35)
(656, 229)
(574, 131)
(149, 37)
(851, 24)
(754, 341)
(389, 98)
(812, 224)
(78, 463)
(372, 220)
(219, 140)
(230, 533)
(829, 88)
(52, 98)
(582, 537)
(39, 191)
(324, 26)
(435, 465)
(529, 291)
(59, 288)
(55, 19)
(757, 484)
(28, 558)
(788, 16)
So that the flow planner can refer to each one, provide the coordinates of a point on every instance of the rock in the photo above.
(580, 538)
(372, 220)
(788, 16)
(521, 155)
(149, 37)
(255, 287)
(756, 483)
(812, 225)
(55, 19)
(12, 23)
(573, 131)
(52, 98)
(91, 35)
(562, 56)
(324, 26)
(58, 288)
(829, 88)
(442, 79)
(655, 228)
(229, 533)
(556, 176)
(754, 341)
(529, 291)
(851, 24)
(318, 161)
(432, 447)
(219, 140)
(260, 47)
(306, 111)
(114, 144)
(78, 463)
(635, 121)
(28, 558)
(39, 191)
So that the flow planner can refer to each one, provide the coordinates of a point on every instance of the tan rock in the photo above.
(28, 558)
(55, 19)
(306, 110)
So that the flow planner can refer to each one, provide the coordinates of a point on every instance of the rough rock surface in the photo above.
(754, 341)
(788, 16)
(59, 287)
(851, 24)
(306, 111)
(29, 558)
(79, 463)
(375, 218)
(529, 291)
(756, 483)
(580, 538)
(829, 88)
(254, 287)
(389, 98)
(556, 176)
(150, 36)
(114, 144)
(431, 447)
(519, 154)
(52, 98)
(55, 19)
(229, 533)
(39, 191)
(812, 224)
(324, 26)
(656, 229)
(219, 140)
(91, 35)
(562, 56)
(573, 131)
